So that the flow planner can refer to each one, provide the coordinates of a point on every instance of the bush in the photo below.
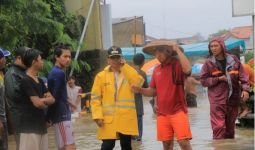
(248, 56)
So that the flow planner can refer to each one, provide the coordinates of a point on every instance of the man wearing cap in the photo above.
(3, 120)
(112, 101)
(167, 83)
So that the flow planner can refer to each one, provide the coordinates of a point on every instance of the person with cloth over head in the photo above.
(227, 84)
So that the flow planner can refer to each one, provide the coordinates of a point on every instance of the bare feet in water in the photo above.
(244, 112)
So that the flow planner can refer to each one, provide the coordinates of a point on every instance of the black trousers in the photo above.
(125, 143)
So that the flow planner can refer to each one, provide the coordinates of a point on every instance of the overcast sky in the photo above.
(180, 18)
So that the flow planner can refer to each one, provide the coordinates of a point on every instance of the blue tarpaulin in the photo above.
(128, 52)
(201, 49)
(198, 49)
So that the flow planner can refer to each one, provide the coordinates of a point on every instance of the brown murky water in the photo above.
(85, 133)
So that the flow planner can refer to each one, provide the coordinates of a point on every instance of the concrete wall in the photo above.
(93, 37)
(123, 32)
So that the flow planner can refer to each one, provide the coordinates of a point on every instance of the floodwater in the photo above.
(85, 132)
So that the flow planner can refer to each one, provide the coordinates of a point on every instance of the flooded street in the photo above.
(85, 133)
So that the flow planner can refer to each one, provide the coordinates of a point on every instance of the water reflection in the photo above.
(85, 133)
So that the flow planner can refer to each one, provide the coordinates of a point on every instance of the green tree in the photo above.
(249, 55)
(41, 24)
(37, 23)
(22, 21)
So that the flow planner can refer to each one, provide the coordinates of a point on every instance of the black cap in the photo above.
(113, 51)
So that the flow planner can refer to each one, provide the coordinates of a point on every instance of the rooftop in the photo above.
(244, 32)
(124, 19)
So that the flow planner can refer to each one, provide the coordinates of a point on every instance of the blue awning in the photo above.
(201, 49)
(128, 53)
(198, 49)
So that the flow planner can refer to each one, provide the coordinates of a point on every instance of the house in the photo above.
(128, 31)
(189, 40)
(241, 33)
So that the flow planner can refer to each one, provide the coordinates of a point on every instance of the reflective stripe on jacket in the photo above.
(220, 92)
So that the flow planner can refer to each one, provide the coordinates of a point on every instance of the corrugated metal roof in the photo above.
(244, 32)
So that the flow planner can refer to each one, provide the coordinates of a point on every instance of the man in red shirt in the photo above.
(167, 83)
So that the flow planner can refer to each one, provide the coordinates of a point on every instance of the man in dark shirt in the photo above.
(59, 113)
(35, 98)
(12, 80)
(3, 123)
(138, 62)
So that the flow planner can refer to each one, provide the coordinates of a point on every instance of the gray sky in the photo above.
(180, 18)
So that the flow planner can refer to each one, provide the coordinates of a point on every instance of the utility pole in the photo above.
(253, 27)
(83, 34)
(135, 36)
